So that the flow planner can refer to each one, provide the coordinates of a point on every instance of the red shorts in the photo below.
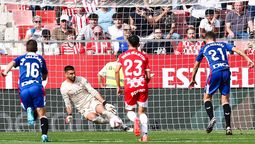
(138, 95)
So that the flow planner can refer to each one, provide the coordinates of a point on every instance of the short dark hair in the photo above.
(31, 46)
(68, 67)
(210, 35)
(134, 40)
(93, 16)
(117, 16)
(209, 12)
(46, 33)
(190, 28)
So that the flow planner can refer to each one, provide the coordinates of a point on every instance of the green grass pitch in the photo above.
(156, 137)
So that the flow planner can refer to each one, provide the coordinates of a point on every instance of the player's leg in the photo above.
(27, 105)
(142, 107)
(212, 85)
(225, 90)
(37, 91)
(92, 116)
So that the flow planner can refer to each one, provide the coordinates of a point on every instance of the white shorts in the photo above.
(90, 107)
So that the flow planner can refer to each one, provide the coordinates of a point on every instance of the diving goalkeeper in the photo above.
(87, 100)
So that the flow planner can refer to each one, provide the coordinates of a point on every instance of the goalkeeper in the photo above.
(86, 99)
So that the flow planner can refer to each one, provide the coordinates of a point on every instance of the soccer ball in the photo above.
(115, 122)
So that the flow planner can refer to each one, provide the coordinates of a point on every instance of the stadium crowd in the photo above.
(102, 30)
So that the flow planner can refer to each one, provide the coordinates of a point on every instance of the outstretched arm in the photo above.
(194, 72)
(250, 62)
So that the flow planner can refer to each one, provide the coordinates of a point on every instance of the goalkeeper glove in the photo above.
(69, 118)
(110, 107)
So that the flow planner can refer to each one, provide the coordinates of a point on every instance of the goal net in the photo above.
(163, 27)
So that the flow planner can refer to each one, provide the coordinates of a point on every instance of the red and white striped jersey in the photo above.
(67, 49)
(98, 47)
(70, 11)
(90, 6)
(189, 48)
(79, 21)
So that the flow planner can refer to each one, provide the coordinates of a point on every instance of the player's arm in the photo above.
(68, 104)
(8, 68)
(194, 72)
(117, 75)
(101, 76)
(250, 62)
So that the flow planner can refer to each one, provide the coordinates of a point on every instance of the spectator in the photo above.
(197, 11)
(105, 16)
(86, 32)
(116, 30)
(251, 9)
(166, 20)
(106, 76)
(46, 47)
(98, 48)
(90, 5)
(122, 46)
(69, 47)
(189, 46)
(209, 23)
(61, 32)
(238, 21)
(158, 47)
(251, 48)
(79, 20)
(2, 50)
(141, 22)
(35, 32)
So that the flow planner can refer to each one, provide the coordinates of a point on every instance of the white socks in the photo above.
(131, 115)
(144, 123)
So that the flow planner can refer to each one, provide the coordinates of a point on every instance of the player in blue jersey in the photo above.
(219, 78)
(33, 70)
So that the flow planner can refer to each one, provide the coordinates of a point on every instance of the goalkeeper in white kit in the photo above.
(88, 101)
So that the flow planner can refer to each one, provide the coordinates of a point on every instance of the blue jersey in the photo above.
(32, 66)
(216, 55)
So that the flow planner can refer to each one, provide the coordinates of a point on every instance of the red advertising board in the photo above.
(171, 71)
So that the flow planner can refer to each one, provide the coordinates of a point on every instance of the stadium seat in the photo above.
(22, 18)
(6, 17)
(48, 16)
(22, 31)
(11, 34)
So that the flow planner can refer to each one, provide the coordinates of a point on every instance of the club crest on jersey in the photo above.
(135, 82)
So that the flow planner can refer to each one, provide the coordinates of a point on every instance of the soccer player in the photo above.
(219, 78)
(136, 77)
(86, 99)
(33, 70)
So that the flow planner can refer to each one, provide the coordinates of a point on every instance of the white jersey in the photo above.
(81, 93)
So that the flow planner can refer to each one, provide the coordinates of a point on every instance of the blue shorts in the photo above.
(218, 80)
(32, 96)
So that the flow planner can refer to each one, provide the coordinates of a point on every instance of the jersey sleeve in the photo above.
(17, 61)
(229, 46)
(200, 55)
(89, 88)
(44, 67)
(63, 91)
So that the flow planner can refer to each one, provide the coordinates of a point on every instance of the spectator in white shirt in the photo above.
(46, 47)
(209, 23)
(116, 30)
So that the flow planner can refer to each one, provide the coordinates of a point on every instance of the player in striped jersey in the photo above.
(219, 77)
(86, 99)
